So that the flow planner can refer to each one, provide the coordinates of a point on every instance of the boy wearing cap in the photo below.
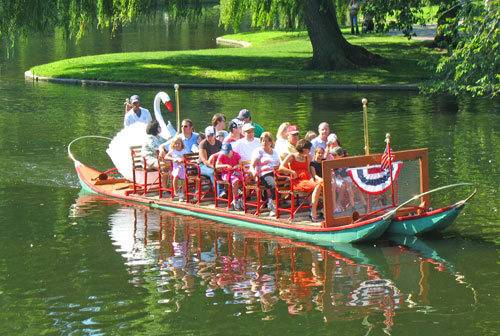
(136, 113)
(248, 144)
(235, 129)
(245, 116)
(208, 147)
(288, 147)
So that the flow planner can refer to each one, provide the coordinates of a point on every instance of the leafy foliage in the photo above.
(472, 64)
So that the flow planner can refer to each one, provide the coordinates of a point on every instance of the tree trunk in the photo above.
(331, 51)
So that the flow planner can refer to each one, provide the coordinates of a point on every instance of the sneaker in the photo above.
(273, 210)
(223, 194)
(242, 205)
(236, 205)
(270, 204)
(181, 197)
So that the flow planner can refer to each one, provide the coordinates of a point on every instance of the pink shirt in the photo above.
(232, 161)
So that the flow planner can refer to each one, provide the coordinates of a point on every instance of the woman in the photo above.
(263, 162)
(152, 144)
(281, 133)
(297, 165)
(219, 122)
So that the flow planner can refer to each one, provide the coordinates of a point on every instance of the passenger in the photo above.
(136, 113)
(310, 135)
(316, 164)
(332, 145)
(188, 136)
(219, 122)
(220, 135)
(176, 155)
(248, 144)
(195, 148)
(208, 148)
(230, 163)
(281, 134)
(292, 136)
(321, 139)
(235, 127)
(317, 173)
(297, 165)
(344, 182)
(244, 116)
(264, 160)
(153, 143)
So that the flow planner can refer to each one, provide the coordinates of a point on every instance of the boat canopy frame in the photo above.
(420, 154)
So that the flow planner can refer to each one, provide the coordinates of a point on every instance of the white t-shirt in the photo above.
(265, 161)
(131, 117)
(245, 148)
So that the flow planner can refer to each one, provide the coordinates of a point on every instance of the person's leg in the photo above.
(208, 172)
(315, 199)
(352, 23)
(356, 24)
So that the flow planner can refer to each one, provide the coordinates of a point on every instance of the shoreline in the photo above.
(358, 87)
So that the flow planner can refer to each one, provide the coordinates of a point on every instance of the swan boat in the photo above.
(356, 222)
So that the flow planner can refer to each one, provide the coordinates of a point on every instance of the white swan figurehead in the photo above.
(167, 130)
(135, 135)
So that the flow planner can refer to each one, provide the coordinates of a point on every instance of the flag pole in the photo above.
(176, 86)
(388, 141)
(365, 125)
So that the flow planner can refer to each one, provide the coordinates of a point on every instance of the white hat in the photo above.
(247, 127)
(331, 138)
(209, 131)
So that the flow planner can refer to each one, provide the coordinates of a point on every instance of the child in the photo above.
(176, 151)
(310, 135)
(230, 163)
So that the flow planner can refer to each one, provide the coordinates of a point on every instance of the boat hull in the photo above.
(432, 221)
(356, 232)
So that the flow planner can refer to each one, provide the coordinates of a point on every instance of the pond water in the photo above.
(73, 263)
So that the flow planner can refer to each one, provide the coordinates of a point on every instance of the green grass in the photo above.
(275, 57)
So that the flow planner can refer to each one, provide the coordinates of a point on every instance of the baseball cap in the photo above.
(247, 127)
(134, 98)
(292, 129)
(226, 148)
(235, 123)
(244, 114)
(209, 131)
(337, 151)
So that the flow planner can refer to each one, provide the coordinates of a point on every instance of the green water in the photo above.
(77, 264)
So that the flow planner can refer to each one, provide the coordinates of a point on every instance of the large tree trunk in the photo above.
(331, 51)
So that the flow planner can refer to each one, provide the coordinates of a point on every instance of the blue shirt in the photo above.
(188, 143)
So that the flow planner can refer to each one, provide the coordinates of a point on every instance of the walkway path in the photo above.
(424, 33)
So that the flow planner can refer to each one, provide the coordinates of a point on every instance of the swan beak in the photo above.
(169, 106)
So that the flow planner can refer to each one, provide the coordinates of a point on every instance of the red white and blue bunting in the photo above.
(374, 180)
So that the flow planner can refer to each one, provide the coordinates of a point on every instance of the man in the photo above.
(189, 137)
(137, 113)
(287, 147)
(322, 139)
(209, 147)
(244, 116)
(235, 128)
(246, 146)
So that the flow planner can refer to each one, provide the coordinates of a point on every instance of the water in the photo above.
(73, 263)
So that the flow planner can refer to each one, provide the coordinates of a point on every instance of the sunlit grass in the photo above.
(275, 57)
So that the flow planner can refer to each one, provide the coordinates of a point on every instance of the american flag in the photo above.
(385, 163)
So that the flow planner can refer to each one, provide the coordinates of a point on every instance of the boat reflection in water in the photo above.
(272, 276)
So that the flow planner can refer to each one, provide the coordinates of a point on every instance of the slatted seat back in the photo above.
(197, 185)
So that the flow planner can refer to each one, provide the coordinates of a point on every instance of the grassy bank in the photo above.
(274, 57)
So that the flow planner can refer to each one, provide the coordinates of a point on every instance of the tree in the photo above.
(330, 49)
(472, 63)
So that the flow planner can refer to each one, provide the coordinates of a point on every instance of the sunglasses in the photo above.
(185, 126)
